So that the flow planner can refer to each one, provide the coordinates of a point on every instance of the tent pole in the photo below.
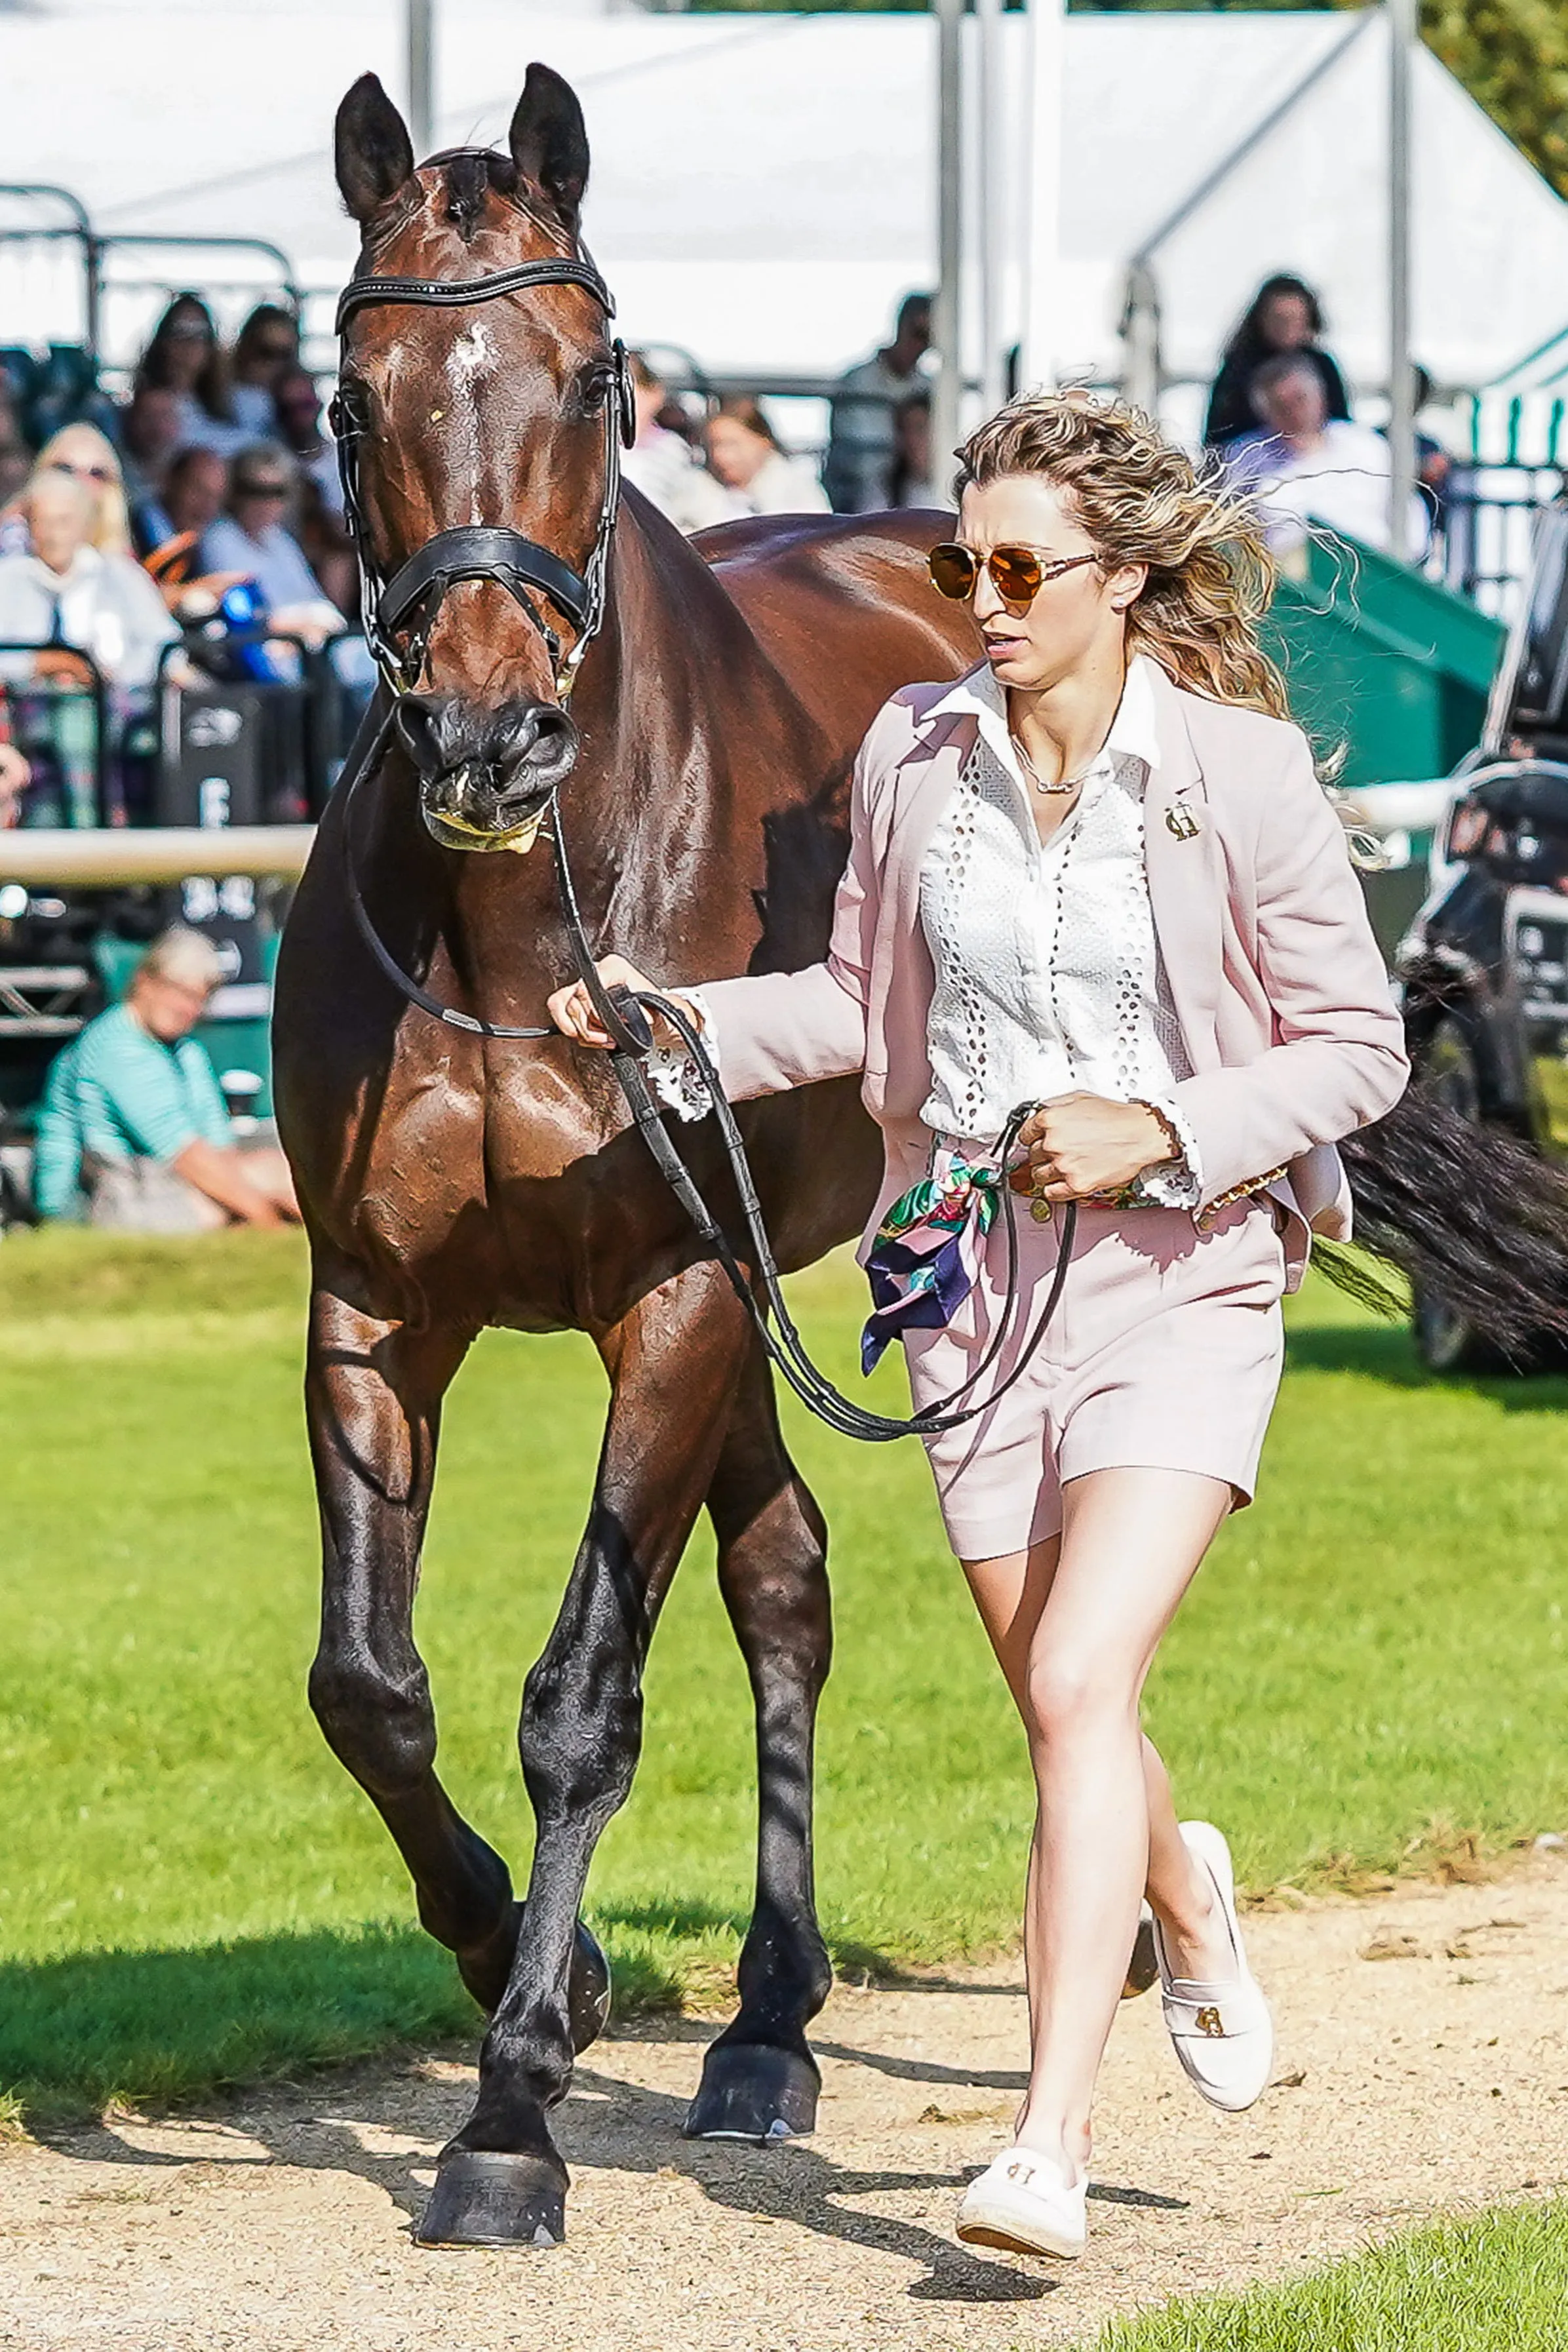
(947, 317)
(1042, 226)
(991, 127)
(421, 45)
(1403, 34)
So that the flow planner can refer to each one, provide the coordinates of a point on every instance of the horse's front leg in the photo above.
(674, 1363)
(373, 1387)
(760, 2081)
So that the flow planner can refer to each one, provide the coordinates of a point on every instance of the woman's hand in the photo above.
(572, 1008)
(1082, 1144)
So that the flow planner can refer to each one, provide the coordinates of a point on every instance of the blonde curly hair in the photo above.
(1143, 500)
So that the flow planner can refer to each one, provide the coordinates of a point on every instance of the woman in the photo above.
(186, 357)
(1098, 875)
(747, 456)
(1284, 315)
(266, 348)
(82, 453)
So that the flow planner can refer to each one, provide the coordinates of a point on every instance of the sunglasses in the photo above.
(261, 490)
(1018, 573)
(80, 473)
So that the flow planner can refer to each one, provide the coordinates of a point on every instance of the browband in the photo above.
(360, 291)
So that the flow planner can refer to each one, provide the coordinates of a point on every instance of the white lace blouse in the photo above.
(1048, 974)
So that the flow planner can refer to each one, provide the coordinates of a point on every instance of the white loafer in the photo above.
(1022, 2204)
(1222, 2034)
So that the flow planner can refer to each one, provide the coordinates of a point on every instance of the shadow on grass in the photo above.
(1385, 1352)
(150, 2026)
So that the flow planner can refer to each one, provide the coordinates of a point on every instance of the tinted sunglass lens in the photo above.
(1016, 573)
(952, 571)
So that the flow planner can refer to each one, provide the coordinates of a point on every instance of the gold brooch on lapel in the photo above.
(1180, 820)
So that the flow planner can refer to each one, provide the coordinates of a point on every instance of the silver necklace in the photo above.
(1060, 784)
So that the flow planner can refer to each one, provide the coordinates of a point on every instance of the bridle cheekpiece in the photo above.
(398, 614)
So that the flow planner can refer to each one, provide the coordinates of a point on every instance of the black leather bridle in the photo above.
(398, 615)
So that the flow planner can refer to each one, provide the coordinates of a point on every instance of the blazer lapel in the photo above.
(1183, 859)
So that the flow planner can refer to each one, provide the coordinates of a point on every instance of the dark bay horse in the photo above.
(450, 1181)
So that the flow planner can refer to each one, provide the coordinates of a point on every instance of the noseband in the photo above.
(398, 615)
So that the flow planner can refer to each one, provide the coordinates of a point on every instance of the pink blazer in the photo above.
(1285, 1008)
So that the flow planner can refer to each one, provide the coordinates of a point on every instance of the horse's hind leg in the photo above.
(372, 1400)
(674, 1363)
(760, 2081)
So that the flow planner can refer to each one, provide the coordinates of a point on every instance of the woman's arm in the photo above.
(1340, 1059)
(781, 1029)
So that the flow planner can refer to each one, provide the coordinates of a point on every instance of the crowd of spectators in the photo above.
(208, 499)
(1279, 420)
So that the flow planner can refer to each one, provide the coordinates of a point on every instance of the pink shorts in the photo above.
(1164, 1353)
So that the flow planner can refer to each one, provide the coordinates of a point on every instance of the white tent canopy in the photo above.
(764, 186)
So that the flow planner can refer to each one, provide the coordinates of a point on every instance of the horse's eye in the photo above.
(594, 388)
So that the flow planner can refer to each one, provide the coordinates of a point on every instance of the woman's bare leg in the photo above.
(1075, 1624)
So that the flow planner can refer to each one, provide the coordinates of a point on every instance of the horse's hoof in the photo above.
(752, 2091)
(485, 2196)
(1143, 1968)
(587, 1991)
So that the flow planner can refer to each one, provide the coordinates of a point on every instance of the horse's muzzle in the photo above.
(484, 774)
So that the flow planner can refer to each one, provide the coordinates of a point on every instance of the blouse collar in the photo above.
(1134, 733)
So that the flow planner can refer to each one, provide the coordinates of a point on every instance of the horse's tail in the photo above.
(1470, 1214)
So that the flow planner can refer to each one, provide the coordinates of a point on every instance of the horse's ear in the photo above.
(549, 142)
(371, 149)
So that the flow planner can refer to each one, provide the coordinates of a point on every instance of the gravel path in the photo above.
(1423, 2066)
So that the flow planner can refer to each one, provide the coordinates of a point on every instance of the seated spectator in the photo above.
(323, 534)
(253, 540)
(266, 348)
(862, 438)
(133, 1134)
(186, 357)
(196, 488)
(149, 441)
(83, 453)
(750, 460)
(1308, 467)
(68, 598)
(664, 467)
(1284, 316)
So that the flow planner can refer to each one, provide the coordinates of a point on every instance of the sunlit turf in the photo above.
(1498, 2282)
(1378, 1646)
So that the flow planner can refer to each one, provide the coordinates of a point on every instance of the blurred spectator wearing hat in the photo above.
(754, 467)
(133, 1134)
(265, 350)
(1284, 316)
(663, 466)
(862, 441)
(186, 357)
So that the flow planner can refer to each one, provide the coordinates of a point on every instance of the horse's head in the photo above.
(496, 414)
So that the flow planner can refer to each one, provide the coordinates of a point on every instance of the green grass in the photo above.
(191, 1890)
(1498, 2282)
